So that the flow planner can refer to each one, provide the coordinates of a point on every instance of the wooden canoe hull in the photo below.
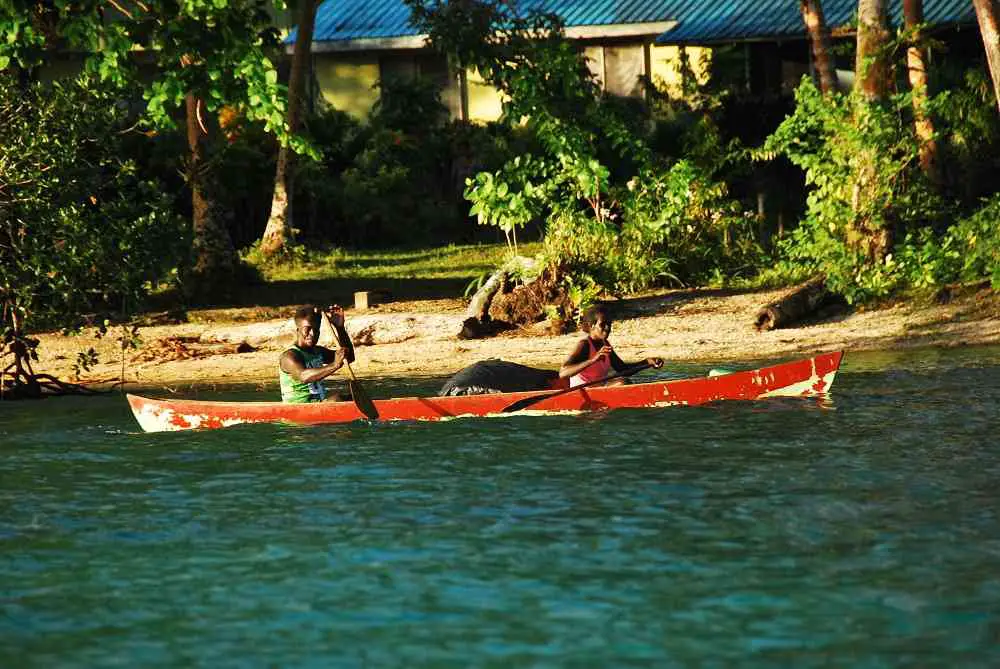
(799, 378)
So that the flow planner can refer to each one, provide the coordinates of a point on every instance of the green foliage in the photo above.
(398, 179)
(545, 82)
(513, 196)
(412, 106)
(874, 224)
(969, 130)
(611, 214)
(473, 286)
(583, 292)
(967, 251)
(85, 361)
(290, 255)
(391, 181)
(860, 162)
(976, 239)
(676, 226)
(217, 51)
(81, 229)
(432, 264)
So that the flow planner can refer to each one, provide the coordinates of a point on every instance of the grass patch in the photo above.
(466, 262)
(332, 276)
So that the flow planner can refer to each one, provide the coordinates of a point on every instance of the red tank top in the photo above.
(595, 372)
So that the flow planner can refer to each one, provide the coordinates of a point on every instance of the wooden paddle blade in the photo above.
(361, 399)
(525, 402)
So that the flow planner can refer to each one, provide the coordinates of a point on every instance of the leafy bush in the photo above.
(676, 226)
(970, 249)
(81, 228)
(860, 162)
(396, 180)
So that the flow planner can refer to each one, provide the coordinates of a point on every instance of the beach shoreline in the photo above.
(419, 338)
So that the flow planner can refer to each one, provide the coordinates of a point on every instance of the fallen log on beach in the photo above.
(795, 305)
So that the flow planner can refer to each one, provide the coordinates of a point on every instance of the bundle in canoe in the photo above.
(800, 378)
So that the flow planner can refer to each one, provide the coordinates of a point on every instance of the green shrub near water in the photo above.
(861, 163)
(82, 228)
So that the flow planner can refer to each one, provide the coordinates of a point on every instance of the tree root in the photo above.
(22, 385)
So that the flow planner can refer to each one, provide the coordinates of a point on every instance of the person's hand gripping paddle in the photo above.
(335, 316)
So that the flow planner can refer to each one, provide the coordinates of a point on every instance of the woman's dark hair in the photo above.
(590, 315)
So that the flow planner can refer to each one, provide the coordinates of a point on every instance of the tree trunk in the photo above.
(916, 64)
(988, 14)
(214, 255)
(819, 37)
(872, 64)
(279, 225)
(871, 82)
(794, 305)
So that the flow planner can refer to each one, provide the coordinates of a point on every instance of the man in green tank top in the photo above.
(303, 367)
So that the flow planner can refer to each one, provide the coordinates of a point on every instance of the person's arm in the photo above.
(291, 363)
(618, 364)
(335, 317)
(626, 368)
(631, 368)
(578, 360)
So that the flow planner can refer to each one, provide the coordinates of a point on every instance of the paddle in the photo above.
(528, 401)
(358, 393)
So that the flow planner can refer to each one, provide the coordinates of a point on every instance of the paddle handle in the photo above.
(340, 343)
(358, 394)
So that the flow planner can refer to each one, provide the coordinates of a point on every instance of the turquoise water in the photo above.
(862, 531)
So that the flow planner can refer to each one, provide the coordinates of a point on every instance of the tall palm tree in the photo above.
(988, 14)
(278, 232)
(819, 36)
(872, 63)
(916, 67)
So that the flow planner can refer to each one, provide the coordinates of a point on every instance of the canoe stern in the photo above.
(158, 416)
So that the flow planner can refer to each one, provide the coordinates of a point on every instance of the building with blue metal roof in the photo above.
(728, 21)
(360, 42)
(356, 43)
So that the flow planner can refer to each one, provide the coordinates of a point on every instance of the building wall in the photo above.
(665, 66)
(484, 100)
(347, 80)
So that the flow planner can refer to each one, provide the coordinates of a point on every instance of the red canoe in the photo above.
(800, 378)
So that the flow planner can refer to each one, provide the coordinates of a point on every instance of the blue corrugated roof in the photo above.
(704, 22)
(338, 20)
(699, 21)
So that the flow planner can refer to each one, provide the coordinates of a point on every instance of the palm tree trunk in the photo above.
(916, 63)
(871, 82)
(819, 36)
(988, 14)
(872, 64)
(279, 225)
(214, 255)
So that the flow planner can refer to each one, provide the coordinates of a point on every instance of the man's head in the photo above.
(307, 324)
(596, 321)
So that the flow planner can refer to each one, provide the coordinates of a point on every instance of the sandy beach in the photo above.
(419, 338)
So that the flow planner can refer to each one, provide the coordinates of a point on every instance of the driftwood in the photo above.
(186, 348)
(798, 303)
(479, 306)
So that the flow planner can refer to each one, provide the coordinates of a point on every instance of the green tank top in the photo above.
(293, 390)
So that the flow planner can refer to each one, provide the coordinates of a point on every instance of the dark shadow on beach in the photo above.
(287, 294)
(665, 303)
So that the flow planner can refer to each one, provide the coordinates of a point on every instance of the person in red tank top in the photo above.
(593, 358)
